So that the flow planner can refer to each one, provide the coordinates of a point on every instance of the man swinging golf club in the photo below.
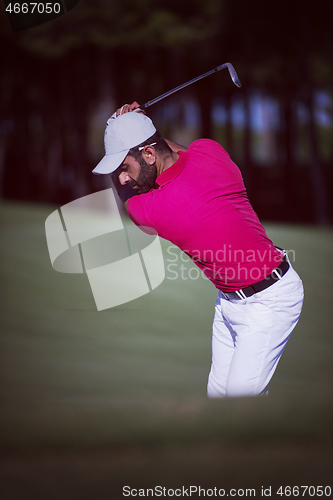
(195, 198)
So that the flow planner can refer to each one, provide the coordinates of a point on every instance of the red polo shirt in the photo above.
(201, 206)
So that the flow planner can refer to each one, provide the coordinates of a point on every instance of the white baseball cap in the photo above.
(121, 134)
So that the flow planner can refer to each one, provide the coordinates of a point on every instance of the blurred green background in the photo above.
(92, 401)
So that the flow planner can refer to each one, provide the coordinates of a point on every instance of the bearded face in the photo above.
(146, 178)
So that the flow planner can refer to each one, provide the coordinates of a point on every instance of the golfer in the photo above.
(195, 198)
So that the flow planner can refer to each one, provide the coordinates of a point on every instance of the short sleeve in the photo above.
(139, 209)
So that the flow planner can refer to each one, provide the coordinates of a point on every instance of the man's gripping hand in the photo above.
(127, 108)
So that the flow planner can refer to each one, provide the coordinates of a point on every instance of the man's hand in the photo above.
(127, 108)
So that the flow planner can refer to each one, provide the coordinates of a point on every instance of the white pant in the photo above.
(249, 336)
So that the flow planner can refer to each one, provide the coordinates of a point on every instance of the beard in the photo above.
(146, 178)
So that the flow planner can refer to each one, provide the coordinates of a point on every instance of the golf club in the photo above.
(230, 67)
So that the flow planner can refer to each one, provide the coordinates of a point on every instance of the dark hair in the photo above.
(161, 146)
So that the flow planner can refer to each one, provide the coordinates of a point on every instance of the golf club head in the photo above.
(232, 72)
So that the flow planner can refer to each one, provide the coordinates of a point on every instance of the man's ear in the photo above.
(149, 154)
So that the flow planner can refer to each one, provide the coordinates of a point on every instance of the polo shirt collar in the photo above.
(172, 172)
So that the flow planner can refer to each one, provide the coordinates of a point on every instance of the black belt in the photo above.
(272, 278)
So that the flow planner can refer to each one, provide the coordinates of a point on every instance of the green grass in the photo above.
(120, 394)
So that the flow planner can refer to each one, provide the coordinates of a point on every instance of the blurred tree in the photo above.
(137, 49)
(286, 49)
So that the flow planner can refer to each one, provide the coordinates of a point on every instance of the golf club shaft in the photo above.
(230, 67)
